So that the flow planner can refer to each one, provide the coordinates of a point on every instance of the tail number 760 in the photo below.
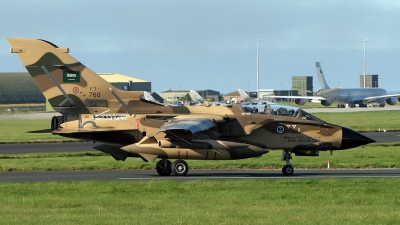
(94, 94)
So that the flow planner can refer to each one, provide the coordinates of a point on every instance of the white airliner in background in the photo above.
(350, 96)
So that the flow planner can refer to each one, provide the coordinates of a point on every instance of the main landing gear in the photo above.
(288, 168)
(56, 121)
(178, 168)
(341, 106)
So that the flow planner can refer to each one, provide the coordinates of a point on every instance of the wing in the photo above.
(381, 97)
(194, 125)
(299, 97)
(44, 131)
(110, 135)
(88, 130)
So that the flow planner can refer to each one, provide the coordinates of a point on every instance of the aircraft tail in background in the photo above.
(322, 85)
(148, 97)
(196, 97)
(245, 97)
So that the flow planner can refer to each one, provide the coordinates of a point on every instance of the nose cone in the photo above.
(352, 139)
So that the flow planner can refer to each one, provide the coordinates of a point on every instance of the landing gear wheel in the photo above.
(287, 170)
(180, 167)
(341, 106)
(163, 167)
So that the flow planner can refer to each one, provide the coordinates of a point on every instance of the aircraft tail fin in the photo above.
(196, 97)
(322, 85)
(64, 81)
(148, 97)
(245, 97)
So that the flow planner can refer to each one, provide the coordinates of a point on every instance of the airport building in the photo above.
(371, 81)
(126, 83)
(234, 96)
(20, 88)
(303, 85)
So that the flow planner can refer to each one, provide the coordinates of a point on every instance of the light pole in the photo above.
(202, 92)
(364, 72)
(206, 90)
(290, 90)
(258, 77)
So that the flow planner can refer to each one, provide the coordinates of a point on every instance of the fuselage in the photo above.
(351, 95)
(238, 132)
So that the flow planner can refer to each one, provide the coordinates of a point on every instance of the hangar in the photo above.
(20, 88)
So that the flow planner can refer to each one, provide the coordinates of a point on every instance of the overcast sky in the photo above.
(213, 44)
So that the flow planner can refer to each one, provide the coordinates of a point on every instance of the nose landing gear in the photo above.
(288, 168)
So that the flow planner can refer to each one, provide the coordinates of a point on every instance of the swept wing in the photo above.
(381, 97)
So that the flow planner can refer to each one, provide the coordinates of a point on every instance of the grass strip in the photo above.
(292, 201)
(15, 131)
(364, 121)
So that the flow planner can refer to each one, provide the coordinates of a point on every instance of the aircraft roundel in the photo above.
(75, 90)
(280, 129)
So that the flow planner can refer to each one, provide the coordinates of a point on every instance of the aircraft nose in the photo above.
(352, 139)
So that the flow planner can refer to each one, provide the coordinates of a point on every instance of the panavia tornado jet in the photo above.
(130, 126)
(211, 133)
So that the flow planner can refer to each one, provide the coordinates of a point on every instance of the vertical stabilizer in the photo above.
(148, 97)
(196, 97)
(245, 97)
(322, 85)
(65, 82)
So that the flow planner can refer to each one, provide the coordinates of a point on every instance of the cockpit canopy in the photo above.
(279, 110)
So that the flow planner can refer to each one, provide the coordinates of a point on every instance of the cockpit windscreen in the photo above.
(279, 110)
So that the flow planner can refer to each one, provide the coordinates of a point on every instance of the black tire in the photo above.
(287, 170)
(180, 167)
(55, 123)
(162, 169)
